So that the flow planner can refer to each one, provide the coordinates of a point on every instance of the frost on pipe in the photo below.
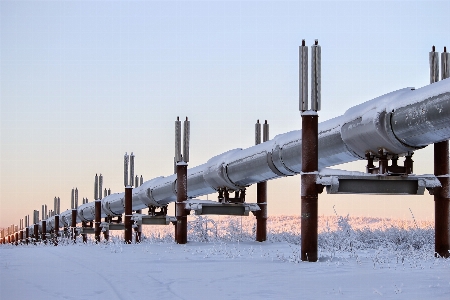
(368, 126)
(418, 123)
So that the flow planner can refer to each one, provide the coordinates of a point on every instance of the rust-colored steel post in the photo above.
(128, 214)
(20, 236)
(44, 231)
(84, 235)
(441, 199)
(106, 232)
(16, 238)
(56, 230)
(74, 224)
(27, 236)
(98, 220)
(36, 233)
(261, 219)
(138, 232)
(309, 194)
(181, 227)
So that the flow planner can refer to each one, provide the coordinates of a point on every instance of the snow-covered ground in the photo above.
(360, 258)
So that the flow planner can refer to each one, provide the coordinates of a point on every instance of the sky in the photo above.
(83, 82)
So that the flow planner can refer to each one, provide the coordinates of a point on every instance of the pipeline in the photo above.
(399, 123)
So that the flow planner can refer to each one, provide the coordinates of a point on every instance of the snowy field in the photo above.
(360, 258)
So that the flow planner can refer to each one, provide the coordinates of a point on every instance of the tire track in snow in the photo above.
(107, 281)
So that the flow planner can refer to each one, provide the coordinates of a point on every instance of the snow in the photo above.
(360, 258)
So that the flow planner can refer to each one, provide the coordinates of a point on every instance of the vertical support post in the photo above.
(441, 170)
(442, 199)
(74, 224)
(44, 231)
(138, 230)
(106, 233)
(310, 164)
(128, 213)
(309, 195)
(261, 190)
(36, 233)
(56, 230)
(98, 220)
(181, 227)
(84, 235)
(27, 225)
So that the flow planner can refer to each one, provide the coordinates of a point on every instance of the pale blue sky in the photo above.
(84, 82)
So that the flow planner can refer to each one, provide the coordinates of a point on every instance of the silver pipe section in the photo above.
(399, 122)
